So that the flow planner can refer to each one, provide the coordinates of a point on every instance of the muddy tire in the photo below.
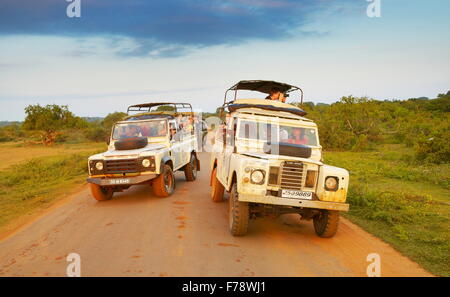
(190, 170)
(164, 184)
(239, 214)
(101, 193)
(326, 223)
(217, 189)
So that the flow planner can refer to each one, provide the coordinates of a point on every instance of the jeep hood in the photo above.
(278, 157)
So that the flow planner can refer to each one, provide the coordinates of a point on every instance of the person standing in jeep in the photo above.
(141, 151)
(276, 94)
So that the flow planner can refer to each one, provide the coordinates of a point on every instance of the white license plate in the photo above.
(296, 194)
(119, 181)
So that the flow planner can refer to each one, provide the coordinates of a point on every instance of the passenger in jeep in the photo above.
(162, 130)
(276, 94)
(131, 131)
(298, 137)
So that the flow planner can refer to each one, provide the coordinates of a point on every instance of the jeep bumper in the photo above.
(317, 204)
(121, 181)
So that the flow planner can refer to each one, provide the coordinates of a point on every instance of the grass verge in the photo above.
(403, 203)
(36, 184)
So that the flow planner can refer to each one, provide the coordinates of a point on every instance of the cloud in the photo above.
(163, 28)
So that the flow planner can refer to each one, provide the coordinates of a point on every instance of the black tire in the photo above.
(190, 170)
(217, 189)
(101, 193)
(131, 143)
(239, 214)
(326, 223)
(164, 184)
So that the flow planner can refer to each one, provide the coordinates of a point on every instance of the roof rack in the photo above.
(263, 86)
(150, 107)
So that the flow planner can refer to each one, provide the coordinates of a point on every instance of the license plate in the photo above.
(119, 181)
(296, 194)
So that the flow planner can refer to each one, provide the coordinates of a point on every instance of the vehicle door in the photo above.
(229, 142)
(175, 145)
(188, 143)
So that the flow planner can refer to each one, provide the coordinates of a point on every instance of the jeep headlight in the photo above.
(146, 163)
(99, 166)
(331, 183)
(257, 177)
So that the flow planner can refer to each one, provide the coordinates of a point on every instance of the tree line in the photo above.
(352, 123)
(360, 123)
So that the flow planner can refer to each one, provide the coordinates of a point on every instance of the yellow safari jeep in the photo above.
(147, 147)
(268, 156)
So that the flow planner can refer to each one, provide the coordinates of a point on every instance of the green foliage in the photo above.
(100, 131)
(165, 108)
(96, 133)
(435, 149)
(360, 123)
(51, 120)
(111, 119)
(11, 133)
(36, 183)
(404, 203)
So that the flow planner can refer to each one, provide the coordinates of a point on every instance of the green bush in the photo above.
(435, 149)
(97, 134)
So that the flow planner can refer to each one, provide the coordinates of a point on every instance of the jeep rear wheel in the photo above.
(164, 184)
(190, 170)
(101, 193)
(238, 214)
(217, 189)
(326, 223)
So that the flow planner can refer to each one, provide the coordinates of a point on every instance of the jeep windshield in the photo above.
(153, 128)
(273, 133)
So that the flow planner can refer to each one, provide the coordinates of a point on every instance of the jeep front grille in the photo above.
(291, 175)
(121, 166)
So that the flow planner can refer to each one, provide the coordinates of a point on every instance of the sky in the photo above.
(119, 53)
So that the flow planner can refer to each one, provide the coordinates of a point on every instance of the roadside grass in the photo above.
(405, 204)
(15, 152)
(35, 184)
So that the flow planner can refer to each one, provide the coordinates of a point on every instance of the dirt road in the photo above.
(138, 234)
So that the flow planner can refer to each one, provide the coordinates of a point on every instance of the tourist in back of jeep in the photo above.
(147, 147)
(269, 158)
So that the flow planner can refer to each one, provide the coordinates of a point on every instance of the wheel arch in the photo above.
(233, 179)
(167, 160)
(214, 165)
(196, 157)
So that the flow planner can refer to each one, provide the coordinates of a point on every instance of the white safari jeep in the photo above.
(147, 147)
(268, 156)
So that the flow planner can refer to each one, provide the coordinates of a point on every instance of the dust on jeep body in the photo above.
(147, 147)
(268, 157)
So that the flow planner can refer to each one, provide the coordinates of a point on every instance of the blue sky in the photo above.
(125, 52)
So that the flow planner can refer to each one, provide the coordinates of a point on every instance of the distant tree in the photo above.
(441, 103)
(165, 108)
(50, 120)
(100, 131)
(112, 118)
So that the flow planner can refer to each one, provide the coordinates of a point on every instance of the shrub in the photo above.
(435, 149)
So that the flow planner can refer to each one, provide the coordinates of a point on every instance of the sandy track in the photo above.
(138, 234)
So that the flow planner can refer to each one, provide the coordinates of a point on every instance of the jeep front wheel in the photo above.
(326, 223)
(190, 170)
(238, 214)
(217, 189)
(164, 184)
(101, 193)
